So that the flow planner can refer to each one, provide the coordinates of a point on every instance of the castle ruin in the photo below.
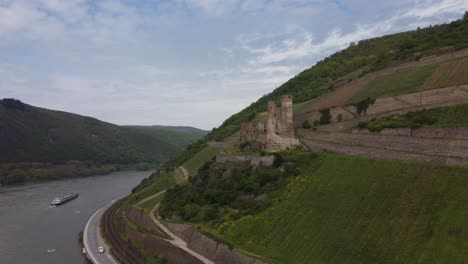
(274, 135)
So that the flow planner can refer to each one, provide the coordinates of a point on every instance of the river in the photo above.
(33, 232)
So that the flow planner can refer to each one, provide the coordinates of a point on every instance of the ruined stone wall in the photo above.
(211, 249)
(278, 132)
(265, 161)
(253, 131)
(388, 106)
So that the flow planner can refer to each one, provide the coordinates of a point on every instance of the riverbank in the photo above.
(49, 234)
(17, 173)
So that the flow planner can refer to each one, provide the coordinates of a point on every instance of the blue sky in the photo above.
(182, 62)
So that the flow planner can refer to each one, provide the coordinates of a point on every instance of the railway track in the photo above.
(120, 247)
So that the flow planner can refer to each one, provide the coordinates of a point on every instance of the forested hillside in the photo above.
(30, 134)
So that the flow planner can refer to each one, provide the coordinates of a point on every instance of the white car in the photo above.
(100, 249)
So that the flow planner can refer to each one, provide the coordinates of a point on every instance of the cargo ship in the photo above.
(59, 201)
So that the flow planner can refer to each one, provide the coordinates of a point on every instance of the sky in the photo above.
(182, 62)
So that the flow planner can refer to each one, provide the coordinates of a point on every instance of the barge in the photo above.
(60, 201)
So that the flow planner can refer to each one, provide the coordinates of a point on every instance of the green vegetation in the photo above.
(367, 56)
(326, 116)
(54, 138)
(449, 116)
(306, 124)
(199, 159)
(25, 172)
(149, 205)
(220, 193)
(405, 81)
(179, 137)
(362, 106)
(304, 106)
(340, 209)
(155, 183)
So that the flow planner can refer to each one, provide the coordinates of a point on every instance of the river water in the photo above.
(33, 232)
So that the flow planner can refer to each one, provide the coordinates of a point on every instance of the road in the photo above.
(92, 239)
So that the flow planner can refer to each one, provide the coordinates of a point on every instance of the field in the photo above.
(449, 73)
(353, 210)
(405, 81)
(450, 116)
(304, 106)
(195, 163)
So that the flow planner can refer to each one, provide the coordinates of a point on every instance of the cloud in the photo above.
(184, 62)
(284, 50)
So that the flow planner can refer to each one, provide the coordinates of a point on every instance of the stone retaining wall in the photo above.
(425, 132)
(141, 219)
(211, 249)
(425, 147)
(160, 247)
(266, 161)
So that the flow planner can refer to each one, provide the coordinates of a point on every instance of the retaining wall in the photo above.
(426, 147)
(213, 250)
(266, 161)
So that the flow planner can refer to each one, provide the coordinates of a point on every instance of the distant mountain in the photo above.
(33, 134)
(178, 136)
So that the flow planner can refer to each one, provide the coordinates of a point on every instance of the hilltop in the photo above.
(30, 134)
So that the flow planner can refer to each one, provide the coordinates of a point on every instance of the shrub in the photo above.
(362, 106)
(306, 124)
(326, 117)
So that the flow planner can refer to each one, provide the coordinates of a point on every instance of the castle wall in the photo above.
(265, 161)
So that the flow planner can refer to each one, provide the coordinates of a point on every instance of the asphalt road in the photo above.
(92, 239)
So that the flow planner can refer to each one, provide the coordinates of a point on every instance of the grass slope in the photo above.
(449, 116)
(354, 210)
(196, 162)
(29, 133)
(406, 81)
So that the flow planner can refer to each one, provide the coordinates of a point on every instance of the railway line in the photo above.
(120, 247)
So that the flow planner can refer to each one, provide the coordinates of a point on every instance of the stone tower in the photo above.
(278, 133)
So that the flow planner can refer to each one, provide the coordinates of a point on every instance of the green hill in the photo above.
(178, 136)
(32, 134)
(353, 62)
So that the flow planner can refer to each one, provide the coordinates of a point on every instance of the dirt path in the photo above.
(175, 240)
(150, 197)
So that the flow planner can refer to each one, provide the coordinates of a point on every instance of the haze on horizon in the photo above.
(182, 62)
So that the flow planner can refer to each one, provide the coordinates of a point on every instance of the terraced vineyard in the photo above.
(354, 210)
(449, 73)
(405, 81)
